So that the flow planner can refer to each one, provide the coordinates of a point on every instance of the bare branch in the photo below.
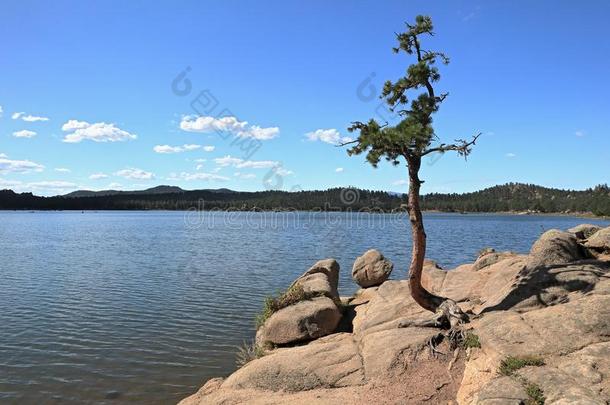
(462, 147)
(346, 143)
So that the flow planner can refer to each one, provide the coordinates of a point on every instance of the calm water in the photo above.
(115, 307)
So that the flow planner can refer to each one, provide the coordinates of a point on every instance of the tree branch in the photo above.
(461, 146)
(346, 143)
(417, 49)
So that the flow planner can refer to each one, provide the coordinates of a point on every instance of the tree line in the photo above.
(512, 197)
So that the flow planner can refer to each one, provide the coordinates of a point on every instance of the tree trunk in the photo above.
(422, 296)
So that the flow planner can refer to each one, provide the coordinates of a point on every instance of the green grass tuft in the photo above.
(485, 251)
(535, 394)
(511, 364)
(471, 341)
(248, 352)
(291, 296)
(268, 310)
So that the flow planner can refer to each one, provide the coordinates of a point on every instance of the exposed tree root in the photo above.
(456, 353)
(449, 317)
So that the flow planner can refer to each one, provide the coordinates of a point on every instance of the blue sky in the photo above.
(88, 103)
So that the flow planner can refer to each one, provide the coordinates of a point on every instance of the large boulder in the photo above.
(309, 308)
(371, 269)
(555, 247)
(584, 231)
(305, 320)
(316, 284)
(322, 277)
(490, 257)
(599, 243)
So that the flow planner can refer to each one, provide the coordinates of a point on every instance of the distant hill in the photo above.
(513, 197)
(517, 197)
(102, 193)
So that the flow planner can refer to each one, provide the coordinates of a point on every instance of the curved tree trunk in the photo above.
(422, 296)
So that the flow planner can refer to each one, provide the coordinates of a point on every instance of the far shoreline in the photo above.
(588, 215)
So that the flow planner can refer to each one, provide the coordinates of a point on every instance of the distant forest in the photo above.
(506, 198)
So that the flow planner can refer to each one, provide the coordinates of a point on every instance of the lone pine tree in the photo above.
(413, 138)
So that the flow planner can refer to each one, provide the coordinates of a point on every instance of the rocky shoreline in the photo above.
(539, 333)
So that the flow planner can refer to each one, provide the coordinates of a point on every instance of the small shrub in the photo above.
(511, 364)
(291, 296)
(248, 352)
(268, 310)
(485, 251)
(535, 394)
(471, 341)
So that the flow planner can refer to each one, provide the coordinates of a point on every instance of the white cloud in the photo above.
(27, 117)
(259, 133)
(244, 176)
(62, 170)
(191, 147)
(33, 118)
(510, 155)
(175, 149)
(72, 125)
(3, 155)
(19, 166)
(198, 176)
(133, 173)
(98, 176)
(280, 171)
(228, 161)
(242, 129)
(580, 133)
(209, 148)
(339, 170)
(167, 149)
(401, 182)
(201, 160)
(331, 136)
(24, 133)
(257, 164)
(251, 164)
(199, 167)
(1, 111)
(245, 164)
(115, 186)
(97, 132)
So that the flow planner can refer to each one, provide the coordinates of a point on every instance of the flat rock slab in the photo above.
(329, 362)
(502, 391)
(559, 329)
(391, 351)
(391, 303)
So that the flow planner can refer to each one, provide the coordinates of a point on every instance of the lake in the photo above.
(143, 307)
